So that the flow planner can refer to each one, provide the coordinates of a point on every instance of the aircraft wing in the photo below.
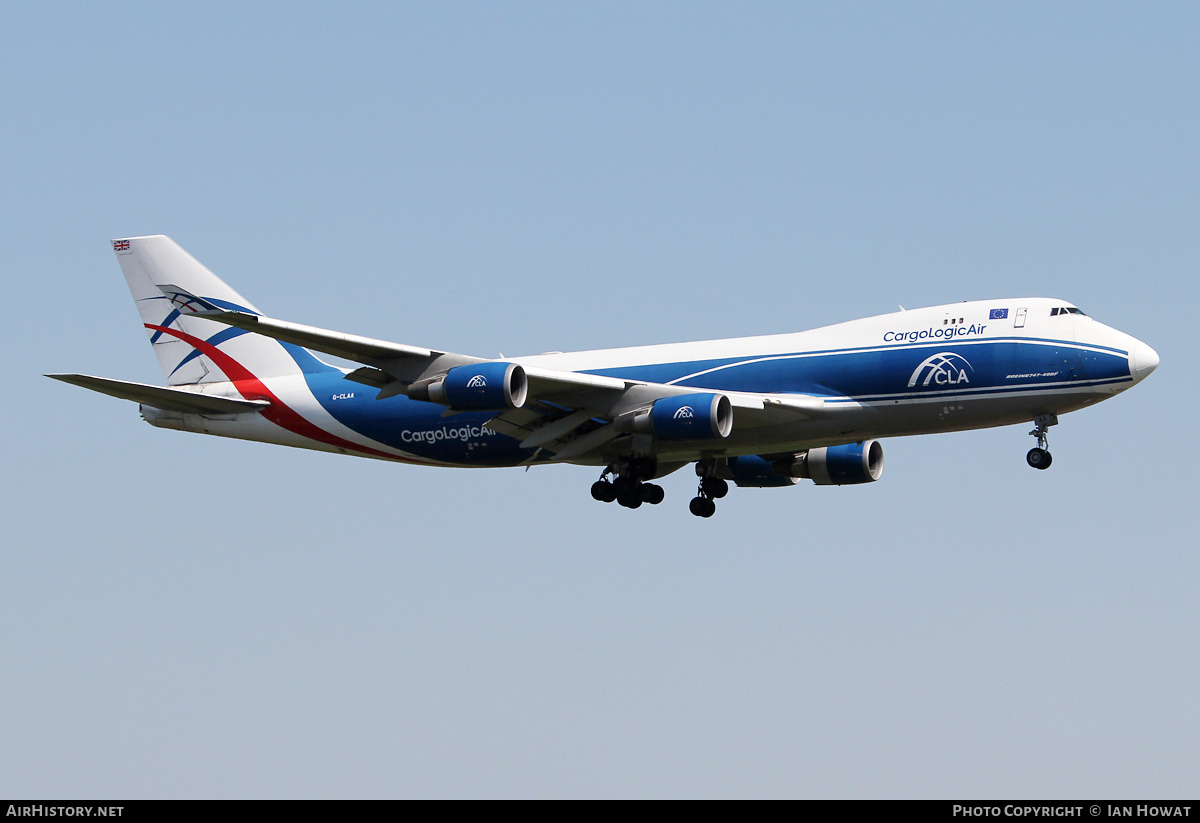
(570, 414)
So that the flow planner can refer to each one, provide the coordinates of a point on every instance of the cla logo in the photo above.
(944, 369)
(683, 413)
(477, 382)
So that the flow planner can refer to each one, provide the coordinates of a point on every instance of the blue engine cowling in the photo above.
(477, 387)
(845, 465)
(701, 416)
(692, 417)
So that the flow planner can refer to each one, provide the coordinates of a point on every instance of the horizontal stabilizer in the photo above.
(163, 398)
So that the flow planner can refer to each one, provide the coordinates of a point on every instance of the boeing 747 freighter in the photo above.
(757, 411)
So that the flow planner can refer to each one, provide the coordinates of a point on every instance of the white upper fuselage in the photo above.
(972, 318)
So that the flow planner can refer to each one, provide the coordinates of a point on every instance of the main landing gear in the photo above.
(628, 486)
(711, 488)
(625, 481)
(1039, 457)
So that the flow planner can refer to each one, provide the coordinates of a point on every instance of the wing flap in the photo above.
(556, 429)
(585, 443)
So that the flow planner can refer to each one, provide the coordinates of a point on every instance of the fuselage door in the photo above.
(1019, 320)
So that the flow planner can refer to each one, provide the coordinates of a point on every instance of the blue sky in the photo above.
(193, 617)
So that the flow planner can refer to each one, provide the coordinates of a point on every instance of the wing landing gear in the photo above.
(1039, 457)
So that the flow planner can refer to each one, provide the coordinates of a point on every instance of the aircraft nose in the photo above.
(1142, 361)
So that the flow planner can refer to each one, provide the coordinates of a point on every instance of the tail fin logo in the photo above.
(477, 382)
(187, 303)
(120, 245)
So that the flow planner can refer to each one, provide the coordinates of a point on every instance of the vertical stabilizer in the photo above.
(190, 349)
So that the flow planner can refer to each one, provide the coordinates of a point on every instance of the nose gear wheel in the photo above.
(1039, 456)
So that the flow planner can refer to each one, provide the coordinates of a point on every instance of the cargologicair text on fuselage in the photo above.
(933, 333)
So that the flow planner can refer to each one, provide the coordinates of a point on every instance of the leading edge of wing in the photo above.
(549, 384)
(339, 344)
(394, 362)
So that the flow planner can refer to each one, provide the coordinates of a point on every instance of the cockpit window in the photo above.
(1056, 311)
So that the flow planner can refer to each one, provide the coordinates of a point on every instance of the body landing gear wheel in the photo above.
(702, 507)
(630, 502)
(1039, 458)
(652, 493)
(629, 492)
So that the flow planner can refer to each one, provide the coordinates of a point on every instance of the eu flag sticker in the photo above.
(998, 314)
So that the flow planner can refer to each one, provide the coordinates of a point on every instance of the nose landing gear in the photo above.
(1039, 457)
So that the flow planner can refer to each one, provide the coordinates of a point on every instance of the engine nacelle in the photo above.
(750, 470)
(836, 465)
(701, 416)
(477, 387)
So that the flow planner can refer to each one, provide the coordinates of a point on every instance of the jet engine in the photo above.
(702, 416)
(836, 465)
(477, 387)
